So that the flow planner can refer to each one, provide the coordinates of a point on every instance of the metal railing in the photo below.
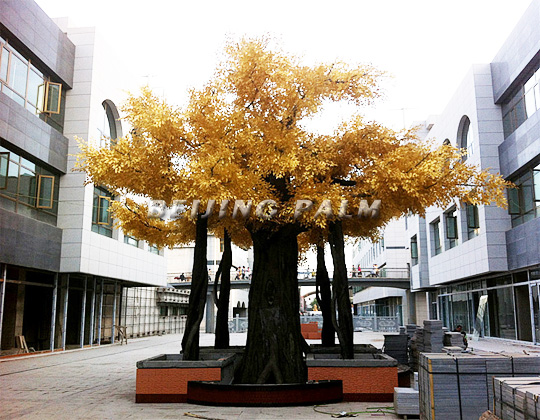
(360, 323)
(390, 272)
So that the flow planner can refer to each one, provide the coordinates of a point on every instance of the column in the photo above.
(113, 313)
(209, 312)
(92, 314)
(100, 313)
(53, 310)
(83, 311)
(64, 317)
(3, 278)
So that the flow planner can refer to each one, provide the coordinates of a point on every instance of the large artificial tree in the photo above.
(243, 136)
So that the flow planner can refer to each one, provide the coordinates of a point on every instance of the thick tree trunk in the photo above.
(222, 303)
(274, 347)
(340, 292)
(197, 296)
(324, 298)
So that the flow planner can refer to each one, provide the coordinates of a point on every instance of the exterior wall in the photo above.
(487, 251)
(95, 81)
(40, 36)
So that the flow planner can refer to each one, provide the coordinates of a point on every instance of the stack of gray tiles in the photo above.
(453, 339)
(396, 346)
(406, 402)
(416, 347)
(433, 336)
(459, 386)
(517, 398)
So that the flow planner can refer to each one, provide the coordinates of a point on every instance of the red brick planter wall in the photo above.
(360, 383)
(170, 385)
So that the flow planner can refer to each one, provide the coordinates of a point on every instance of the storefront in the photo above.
(504, 306)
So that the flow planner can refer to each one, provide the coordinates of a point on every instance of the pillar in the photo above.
(83, 311)
(3, 278)
(209, 311)
(65, 313)
(53, 310)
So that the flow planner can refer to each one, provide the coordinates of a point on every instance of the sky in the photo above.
(425, 46)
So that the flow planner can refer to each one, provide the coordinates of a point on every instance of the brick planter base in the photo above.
(369, 377)
(164, 378)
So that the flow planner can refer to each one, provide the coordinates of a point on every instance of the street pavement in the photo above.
(99, 383)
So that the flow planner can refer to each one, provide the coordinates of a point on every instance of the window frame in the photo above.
(471, 214)
(43, 97)
(414, 250)
(436, 232)
(99, 210)
(38, 192)
(7, 154)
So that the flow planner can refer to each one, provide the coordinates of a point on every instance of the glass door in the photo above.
(535, 310)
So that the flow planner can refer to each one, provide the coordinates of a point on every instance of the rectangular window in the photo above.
(4, 165)
(414, 250)
(101, 217)
(435, 231)
(18, 73)
(473, 222)
(153, 249)
(524, 200)
(221, 245)
(4, 63)
(49, 95)
(130, 240)
(450, 220)
(45, 192)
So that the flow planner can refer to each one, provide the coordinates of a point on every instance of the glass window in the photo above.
(18, 73)
(27, 188)
(466, 141)
(35, 79)
(451, 229)
(473, 223)
(436, 237)
(45, 191)
(4, 63)
(4, 163)
(414, 250)
(101, 217)
(130, 240)
(524, 200)
(153, 249)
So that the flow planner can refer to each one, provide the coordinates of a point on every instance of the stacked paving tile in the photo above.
(459, 386)
(416, 346)
(517, 398)
(406, 402)
(433, 336)
(396, 346)
(453, 339)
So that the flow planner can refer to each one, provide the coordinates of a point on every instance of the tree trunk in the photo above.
(197, 296)
(222, 303)
(340, 292)
(273, 351)
(324, 298)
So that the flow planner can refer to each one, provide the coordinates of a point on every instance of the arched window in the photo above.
(109, 128)
(465, 137)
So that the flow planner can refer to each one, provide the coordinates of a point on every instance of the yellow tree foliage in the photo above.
(242, 137)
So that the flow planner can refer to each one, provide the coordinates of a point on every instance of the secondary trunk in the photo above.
(340, 291)
(222, 302)
(273, 351)
(324, 298)
(197, 296)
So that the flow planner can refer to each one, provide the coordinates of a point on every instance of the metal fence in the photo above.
(360, 323)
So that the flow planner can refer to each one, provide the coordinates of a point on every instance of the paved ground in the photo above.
(100, 384)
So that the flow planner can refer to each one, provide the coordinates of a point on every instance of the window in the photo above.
(466, 139)
(473, 223)
(524, 200)
(524, 103)
(101, 217)
(414, 250)
(28, 188)
(436, 235)
(153, 249)
(29, 87)
(130, 240)
(221, 245)
(451, 228)
(4, 164)
(110, 129)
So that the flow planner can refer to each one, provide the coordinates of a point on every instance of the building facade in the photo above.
(64, 268)
(390, 256)
(480, 265)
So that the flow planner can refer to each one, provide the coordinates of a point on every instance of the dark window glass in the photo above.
(101, 218)
(414, 250)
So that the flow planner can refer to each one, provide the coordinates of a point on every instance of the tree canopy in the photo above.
(243, 136)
